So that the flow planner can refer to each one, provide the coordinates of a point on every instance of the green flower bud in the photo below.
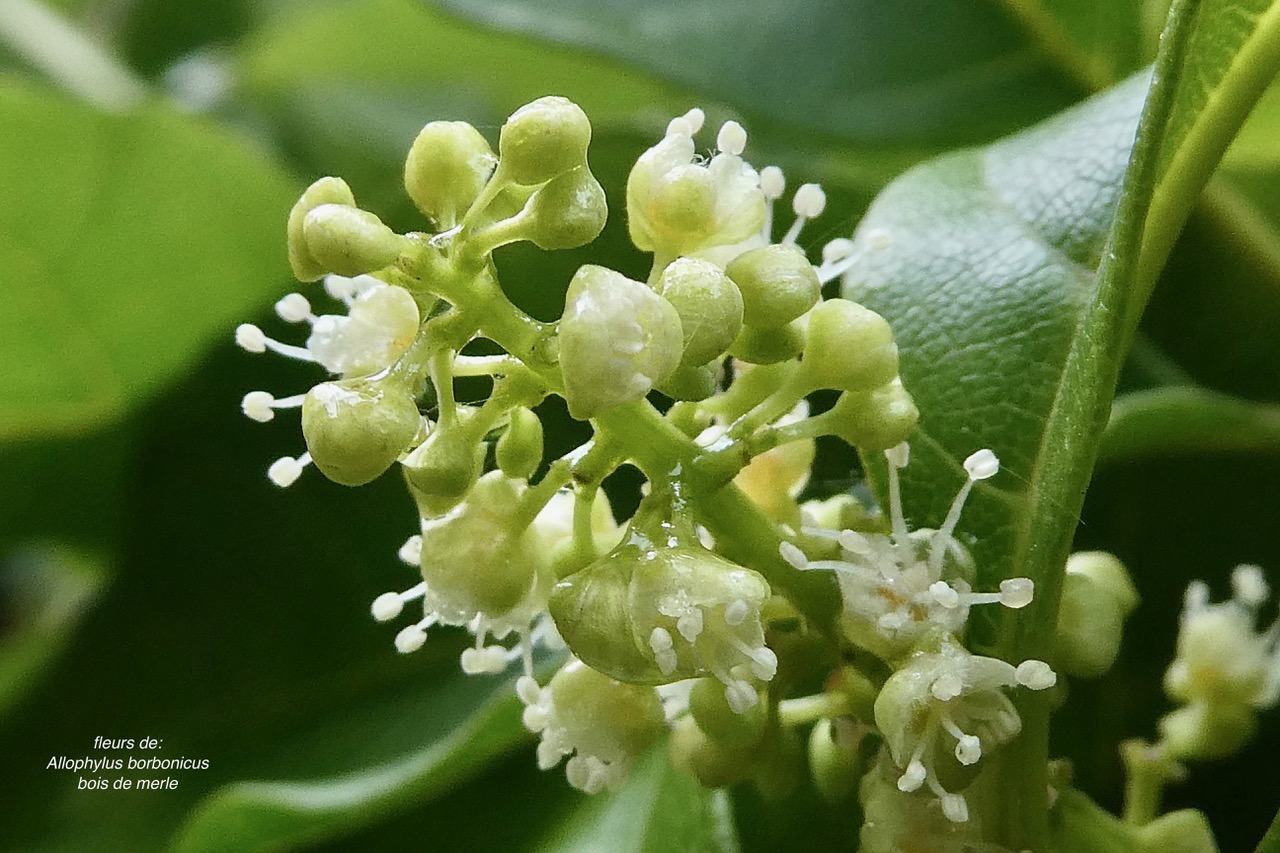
(653, 615)
(348, 240)
(1097, 596)
(356, 429)
(617, 340)
(712, 763)
(1183, 831)
(709, 305)
(474, 560)
(707, 705)
(1205, 730)
(692, 383)
(875, 421)
(519, 450)
(570, 211)
(757, 345)
(442, 469)
(778, 284)
(543, 139)
(447, 167)
(323, 191)
(835, 764)
(848, 347)
(684, 204)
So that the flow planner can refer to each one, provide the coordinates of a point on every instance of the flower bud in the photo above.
(1183, 831)
(617, 340)
(653, 615)
(692, 383)
(349, 241)
(519, 450)
(709, 305)
(474, 559)
(1097, 596)
(712, 763)
(758, 345)
(324, 191)
(570, 211)
(1204, 730)
(442, 469)
(543, 139)
(876, 421)
(707, 705)
(778, 284)
(447, 167)
(835, 764)
(848, 348)
(356, 429)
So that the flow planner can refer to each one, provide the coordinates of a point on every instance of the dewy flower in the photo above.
(898, 588)
(602, 723)
(1225, 669)
(951, 698)
(380, 324)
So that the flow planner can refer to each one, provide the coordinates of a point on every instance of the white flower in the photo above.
(897, 588)
(601, 723)
(954, 699)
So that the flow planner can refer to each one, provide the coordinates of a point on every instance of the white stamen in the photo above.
(1016, 593)
(1250, 585)
(528, 689)
(913, 777)
(695, 117)
(1196, 598)
(899, 456)
(764, 664)
(954, 807)
(250, 338)
(387, 606)
(736, 612)
(968, 749)
(982, 465)
(293, 308)
(1035, 675)
(411, 551)
(740, 696)
(837, 250)
(772, 182)
(731, 139)
(284, 472)
(410, 639)
(257, 406)
(793, 555)
(660, 640)
(690, 624)
(809, 201)
(944, 594)
(339, 287)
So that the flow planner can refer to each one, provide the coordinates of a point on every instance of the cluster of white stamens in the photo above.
(381, 322)
(897, 587)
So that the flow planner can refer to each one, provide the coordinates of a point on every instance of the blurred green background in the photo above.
(153, 583)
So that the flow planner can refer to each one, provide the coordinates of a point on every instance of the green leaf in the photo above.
(253, 816)
(1270, 843)
(1171, 421)
(128, 243)
(1013, 297)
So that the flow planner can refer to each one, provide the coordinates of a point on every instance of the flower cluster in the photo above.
(670, 623)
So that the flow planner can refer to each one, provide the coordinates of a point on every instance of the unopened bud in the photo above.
(570, 211)
(876, 421)
(519, 450)
(356, 429)
(712, 763)
(778, 284)
(692, 383)
(324, 191)
(349, 241)
(446, 169)
(849, 348)
(442, 470)
(708, 705)
(768, 345)
(543, 139)
(709, 305)
(1097, 596)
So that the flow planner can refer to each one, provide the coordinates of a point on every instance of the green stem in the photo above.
(808, 709)
(70, 57)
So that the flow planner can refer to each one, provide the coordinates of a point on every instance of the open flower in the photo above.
(951, 698)
(900, 587)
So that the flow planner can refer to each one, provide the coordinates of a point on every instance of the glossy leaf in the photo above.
(121, 261)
